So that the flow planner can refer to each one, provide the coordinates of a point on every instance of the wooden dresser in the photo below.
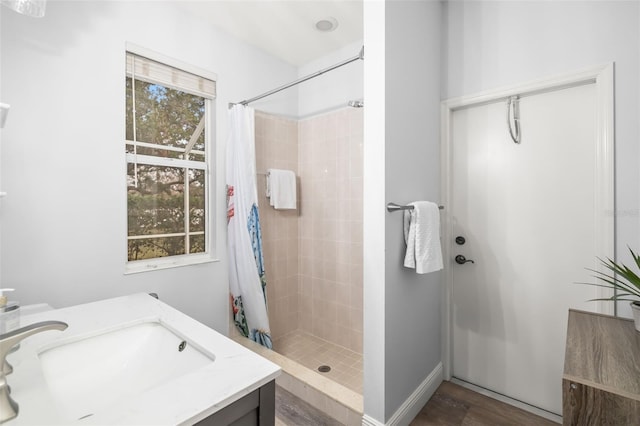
(601, 380)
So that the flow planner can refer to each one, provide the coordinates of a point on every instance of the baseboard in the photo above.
(412, 406)
(370, 421)
(503, 398)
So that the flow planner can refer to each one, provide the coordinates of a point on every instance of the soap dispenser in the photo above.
(9, 312)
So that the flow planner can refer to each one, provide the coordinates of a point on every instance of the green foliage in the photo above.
(164, 116)
(621, 278)
(156, 194)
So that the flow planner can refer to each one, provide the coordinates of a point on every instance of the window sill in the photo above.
(148, 265)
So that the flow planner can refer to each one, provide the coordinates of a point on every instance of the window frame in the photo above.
(209, 255)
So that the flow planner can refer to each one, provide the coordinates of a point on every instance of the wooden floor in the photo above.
(451, 405)
(455, 405)
(292, 411)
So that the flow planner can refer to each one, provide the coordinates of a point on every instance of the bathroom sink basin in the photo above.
(129, 360)
(88, 374)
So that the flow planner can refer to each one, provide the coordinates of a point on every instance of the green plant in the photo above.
(621, 278)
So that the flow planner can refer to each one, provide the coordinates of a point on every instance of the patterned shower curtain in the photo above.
(244, 240)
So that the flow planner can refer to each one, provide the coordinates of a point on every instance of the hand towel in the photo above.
(282, 187)
(422, 236)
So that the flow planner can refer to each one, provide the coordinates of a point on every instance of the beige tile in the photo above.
(336, 410)
(306, 252)
(305, 289)
(330, 245)
(292, 268)
(343, 273)
(353, 418)
(356, 209)
(317, 268)
(355, 231)
(356, 319)
(343, 297)
(343, 230)
(330, 291)
(317, 289)
(306, 264)
(356, 275)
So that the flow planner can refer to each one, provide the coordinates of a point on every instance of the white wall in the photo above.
(334, 89)
(373, 217)
(64, 221)
(492, 44)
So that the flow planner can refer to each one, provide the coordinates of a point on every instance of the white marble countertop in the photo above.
(235, 372)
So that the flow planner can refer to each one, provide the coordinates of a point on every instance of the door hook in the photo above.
(514, 104)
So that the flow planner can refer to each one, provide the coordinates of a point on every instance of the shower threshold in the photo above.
(336, 400)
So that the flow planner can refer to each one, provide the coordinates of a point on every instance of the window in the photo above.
(167, 144)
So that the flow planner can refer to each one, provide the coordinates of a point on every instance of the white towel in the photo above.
(281, 189)
(422, 235)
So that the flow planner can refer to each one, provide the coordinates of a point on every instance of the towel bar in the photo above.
(393, 207)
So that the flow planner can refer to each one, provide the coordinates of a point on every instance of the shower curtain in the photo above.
(244, 240)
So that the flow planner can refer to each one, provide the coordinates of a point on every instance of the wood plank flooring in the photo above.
(451, 405)
(292, 411)
(454, 405)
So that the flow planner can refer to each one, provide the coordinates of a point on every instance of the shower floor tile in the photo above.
(312, 352)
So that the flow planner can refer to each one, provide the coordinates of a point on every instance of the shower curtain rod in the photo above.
(300, 80)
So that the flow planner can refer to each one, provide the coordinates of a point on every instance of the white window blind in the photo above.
(155, 72)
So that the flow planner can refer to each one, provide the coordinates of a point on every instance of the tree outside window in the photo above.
(166, 150)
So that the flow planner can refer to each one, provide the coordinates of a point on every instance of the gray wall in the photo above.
(64, 220)
(491, 44)
(402, 94)
(412, 138)
(483, 45)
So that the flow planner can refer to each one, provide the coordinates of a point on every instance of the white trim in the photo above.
(370, 421)
(603, 77)
(211, 232)
(412, 406)
(514, 402)
(446, 227)
(162, 147)
(166, 161)
(605, 180)
(211, 173)
(158, 263)
(151, 236)
(586, 76)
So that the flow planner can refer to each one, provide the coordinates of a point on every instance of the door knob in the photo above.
(461, 260)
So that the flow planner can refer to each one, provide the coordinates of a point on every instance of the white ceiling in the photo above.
(285, 29)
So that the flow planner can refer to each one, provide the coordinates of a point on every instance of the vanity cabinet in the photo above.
(601, 381)
(256, 408)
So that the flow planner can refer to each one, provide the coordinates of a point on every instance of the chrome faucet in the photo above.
(8, 407)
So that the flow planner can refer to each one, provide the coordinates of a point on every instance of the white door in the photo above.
(527, 214)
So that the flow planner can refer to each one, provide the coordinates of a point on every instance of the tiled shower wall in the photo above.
(313, 256)
(277, 148)
(330, 279)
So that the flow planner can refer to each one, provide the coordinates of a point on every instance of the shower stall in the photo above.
(313, 255)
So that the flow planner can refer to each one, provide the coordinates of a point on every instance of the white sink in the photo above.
(119, 363)
(88, 375)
